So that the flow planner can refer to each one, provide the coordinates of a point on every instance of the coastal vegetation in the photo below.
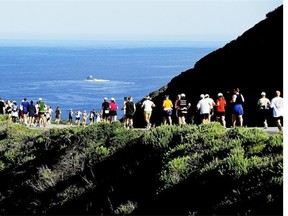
(106, 169)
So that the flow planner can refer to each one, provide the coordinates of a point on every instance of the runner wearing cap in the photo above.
(184, 105)
(220, 109)
(147, 104)
(113, 107)
(105, 110)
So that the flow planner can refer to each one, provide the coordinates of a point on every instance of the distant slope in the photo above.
(253, 62)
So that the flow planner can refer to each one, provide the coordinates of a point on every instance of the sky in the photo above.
(156, 20)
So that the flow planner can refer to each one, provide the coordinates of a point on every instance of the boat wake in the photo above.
(97, 80)
(91, 79)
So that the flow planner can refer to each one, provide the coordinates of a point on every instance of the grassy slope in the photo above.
(106, 169)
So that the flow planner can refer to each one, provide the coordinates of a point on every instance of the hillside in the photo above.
(253, 62)
(105, 169)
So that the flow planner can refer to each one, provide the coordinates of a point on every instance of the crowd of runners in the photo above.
(40, 114)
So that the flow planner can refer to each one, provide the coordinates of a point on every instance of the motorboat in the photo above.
(90, 77)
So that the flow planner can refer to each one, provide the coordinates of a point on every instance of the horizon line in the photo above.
(88, 42)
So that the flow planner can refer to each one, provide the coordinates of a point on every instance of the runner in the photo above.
(130, 108)
(184, 105)
(105, 110)
(167, 110)
(147, 105)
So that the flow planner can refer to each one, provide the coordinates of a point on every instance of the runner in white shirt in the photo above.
(147, 105)
(204, 106)
(277, 104)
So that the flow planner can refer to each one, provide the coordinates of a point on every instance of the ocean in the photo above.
(57, 72)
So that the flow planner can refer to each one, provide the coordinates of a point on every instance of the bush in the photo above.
(103, 167)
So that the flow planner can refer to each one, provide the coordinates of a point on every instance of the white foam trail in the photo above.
(100, 80)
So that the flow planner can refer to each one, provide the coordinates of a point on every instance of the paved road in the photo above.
(271, 130)
(50, 126)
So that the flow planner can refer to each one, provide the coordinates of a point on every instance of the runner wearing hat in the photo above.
(220, 109)
(113, 107)
(105, 110)
(147, 105)
(184, 105)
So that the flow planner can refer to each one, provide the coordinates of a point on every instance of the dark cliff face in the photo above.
(253, 62)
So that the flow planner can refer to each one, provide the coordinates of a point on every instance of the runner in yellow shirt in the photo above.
(167, 108)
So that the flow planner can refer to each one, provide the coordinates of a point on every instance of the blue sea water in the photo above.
(57, 72)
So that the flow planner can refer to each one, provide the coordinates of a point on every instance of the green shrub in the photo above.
(11, 155)
(236, 162)
(175, 170)
(126, 208)
(274, 144)
(4, 120)
(19, 132)
(159, 137)
(256, 149)
(2, 166)
(46, 179)
(59, 165)
(70, 193)
(102, 151)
